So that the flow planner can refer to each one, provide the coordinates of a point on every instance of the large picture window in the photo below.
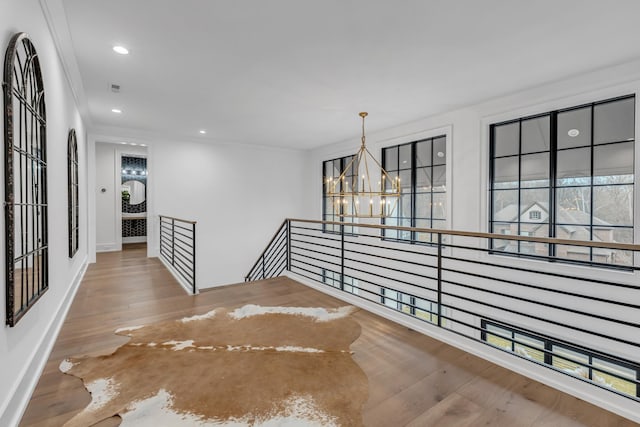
(567, 174)
(332, 169)
(25, 179)
(421, 166)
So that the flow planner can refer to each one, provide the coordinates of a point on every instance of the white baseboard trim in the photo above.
(107, 247)
(135, 239)
(186, 286)
(30, 375)
(607, 400)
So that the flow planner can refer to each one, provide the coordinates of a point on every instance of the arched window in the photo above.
(72, 178)
(25, 178)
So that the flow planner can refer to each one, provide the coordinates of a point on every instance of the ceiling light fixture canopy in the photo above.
(355, 193)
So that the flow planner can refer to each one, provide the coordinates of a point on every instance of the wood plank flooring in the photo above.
(413, 379)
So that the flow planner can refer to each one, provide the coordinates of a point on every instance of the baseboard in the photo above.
(186, 286)
(17, 403)
(107, 247)
(602, 398)
(135, 239)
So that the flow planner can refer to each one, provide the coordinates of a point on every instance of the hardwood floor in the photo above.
(413, 379)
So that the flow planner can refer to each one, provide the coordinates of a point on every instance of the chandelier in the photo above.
(355, 193)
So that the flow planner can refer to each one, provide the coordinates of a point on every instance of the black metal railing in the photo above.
(178, 247)
(274, 259)
(577, 318)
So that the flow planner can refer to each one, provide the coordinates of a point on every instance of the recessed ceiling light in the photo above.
(440, 154)
(124, 143)
(121, 50)
(203, 131)
(116, 110)
(133, 143)
(143, 145)
(573, 133)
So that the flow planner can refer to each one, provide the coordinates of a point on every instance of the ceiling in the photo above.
(295, 73)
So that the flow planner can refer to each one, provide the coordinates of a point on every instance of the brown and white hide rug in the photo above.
(252, 366)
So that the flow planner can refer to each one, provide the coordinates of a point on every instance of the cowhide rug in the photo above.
(253, 366)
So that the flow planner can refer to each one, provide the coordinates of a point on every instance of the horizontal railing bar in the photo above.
(546, 273)
(275, 259)
(569, 346)
(544, 304)
(380, 275)
(621, 246)
(542, 319)
(542, 288)
(186, 221)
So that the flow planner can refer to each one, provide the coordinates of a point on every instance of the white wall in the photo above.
(238, 194)
(108, 230)
(467, 187)
(25, 348)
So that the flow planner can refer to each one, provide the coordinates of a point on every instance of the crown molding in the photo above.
(56, 18)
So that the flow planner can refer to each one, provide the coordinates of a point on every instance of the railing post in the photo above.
(288, 245)
(342, 256)
(263, 273)
(173, 242)
(440, 279)
(193, 233)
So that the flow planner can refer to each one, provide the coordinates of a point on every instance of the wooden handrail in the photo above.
(178, 219)
(602, 245)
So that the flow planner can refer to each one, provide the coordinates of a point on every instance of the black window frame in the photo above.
(549, 345)
(552, 184)
(415, 193)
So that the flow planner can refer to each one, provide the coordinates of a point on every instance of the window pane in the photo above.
(534, 200)
(534, 230)
(507, 230)
(405, 156)
(604, 377)
(568, 362)
(574, 167)
(405, 181)
(505, 205)
(613, 164)
(423, 179)
(506, 139)
(499, 337)
(573, 206)
(425, 237)
(390, 298)
(423, 205)
(404, 207)
(531, 347)
(439, 151)
(535, 170)
(438, 224)
(535, 135)
(614, 121)
(439, 178)
(390, 159)
(423, 153)
(574, 128)
(613, 205)
(439, 205)
(505, 172)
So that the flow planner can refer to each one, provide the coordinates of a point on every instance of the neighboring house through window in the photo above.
(567, 174)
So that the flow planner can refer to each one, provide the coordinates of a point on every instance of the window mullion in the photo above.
(591, 183)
